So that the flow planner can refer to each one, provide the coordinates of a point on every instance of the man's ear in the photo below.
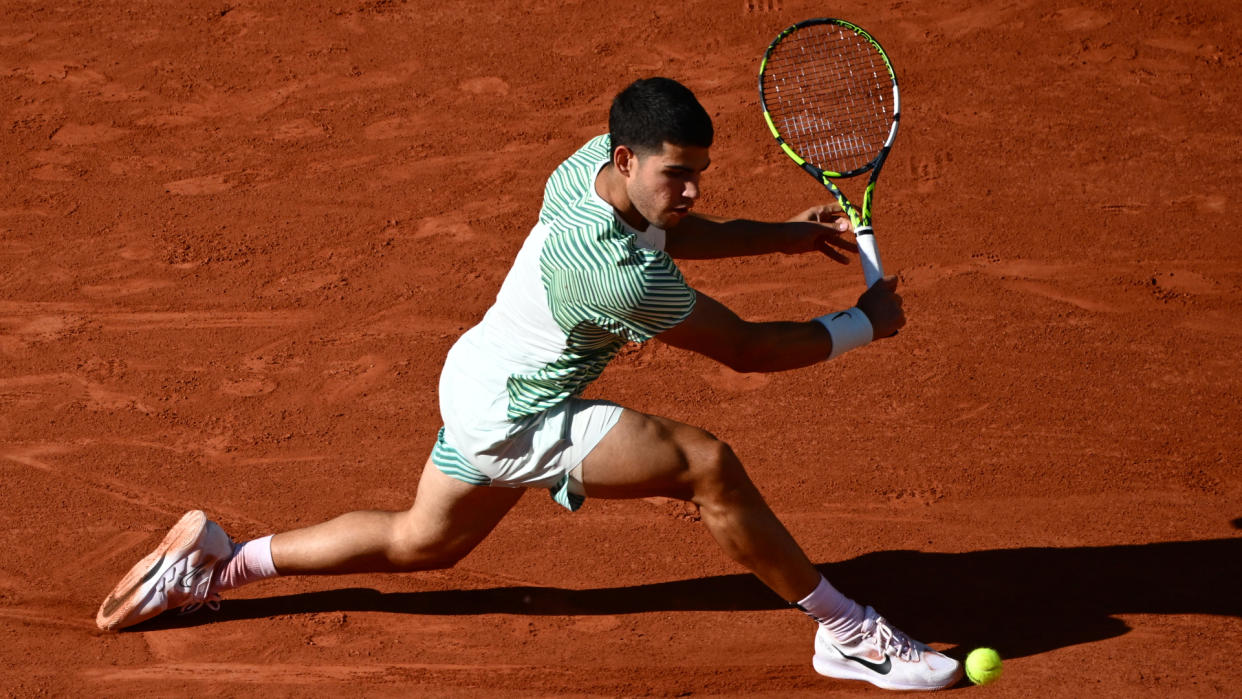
(624, 159)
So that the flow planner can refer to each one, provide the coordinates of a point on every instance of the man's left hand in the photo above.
(820, 228)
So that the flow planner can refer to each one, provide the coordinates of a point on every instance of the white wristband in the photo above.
(850, 329)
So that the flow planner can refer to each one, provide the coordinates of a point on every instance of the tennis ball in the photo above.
(983, 666)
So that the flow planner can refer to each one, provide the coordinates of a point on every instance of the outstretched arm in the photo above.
(713, 330)
(820, 228)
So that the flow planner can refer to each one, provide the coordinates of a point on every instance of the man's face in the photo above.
(664, 185)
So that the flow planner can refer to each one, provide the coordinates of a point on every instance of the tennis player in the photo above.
(595, 273)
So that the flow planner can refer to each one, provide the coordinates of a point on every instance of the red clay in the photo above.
(236, 240)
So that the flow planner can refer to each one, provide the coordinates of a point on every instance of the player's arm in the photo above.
(703, 236)
(714, 331)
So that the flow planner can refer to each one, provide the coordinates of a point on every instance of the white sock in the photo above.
(838, 613)
(251, 562)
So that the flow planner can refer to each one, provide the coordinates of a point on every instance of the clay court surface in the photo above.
(237, 239)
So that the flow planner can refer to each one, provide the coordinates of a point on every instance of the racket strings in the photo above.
(830, 94)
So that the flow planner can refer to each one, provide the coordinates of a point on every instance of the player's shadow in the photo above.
(1021, 601)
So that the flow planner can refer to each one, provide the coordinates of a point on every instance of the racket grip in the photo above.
(869, 255)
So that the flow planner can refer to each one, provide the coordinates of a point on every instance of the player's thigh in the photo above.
(647, 455)
(453, 515)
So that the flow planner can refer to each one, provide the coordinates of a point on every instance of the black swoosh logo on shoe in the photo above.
(880, 668)
(111, 604)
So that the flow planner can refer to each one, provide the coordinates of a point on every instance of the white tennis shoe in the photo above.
(885, 657)
(176, 574)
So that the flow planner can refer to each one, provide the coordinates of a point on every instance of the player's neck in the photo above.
(610, 185)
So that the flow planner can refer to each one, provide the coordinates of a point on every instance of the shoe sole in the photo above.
(185, 534)
(840, 671)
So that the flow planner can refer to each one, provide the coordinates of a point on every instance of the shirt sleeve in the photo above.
(649, 297)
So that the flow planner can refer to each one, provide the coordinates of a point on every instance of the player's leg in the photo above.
(196, 560)
(449, 518)
(643, 456)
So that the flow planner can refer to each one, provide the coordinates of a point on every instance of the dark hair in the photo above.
(653, 111)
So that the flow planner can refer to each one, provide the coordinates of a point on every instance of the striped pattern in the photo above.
(602, 288)
(453, 463)
(560, 493)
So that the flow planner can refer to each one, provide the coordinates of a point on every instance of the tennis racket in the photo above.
(829, 95)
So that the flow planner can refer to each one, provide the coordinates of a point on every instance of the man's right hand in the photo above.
(882, 304)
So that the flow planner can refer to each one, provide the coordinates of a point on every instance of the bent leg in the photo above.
(448, 519)
(644, 456)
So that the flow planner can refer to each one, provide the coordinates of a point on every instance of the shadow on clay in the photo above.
(1019, 601)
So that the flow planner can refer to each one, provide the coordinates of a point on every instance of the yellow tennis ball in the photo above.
(983, 666)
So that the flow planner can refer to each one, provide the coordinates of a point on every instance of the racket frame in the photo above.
(860, 218)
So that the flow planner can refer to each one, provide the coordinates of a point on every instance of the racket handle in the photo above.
(868, 254)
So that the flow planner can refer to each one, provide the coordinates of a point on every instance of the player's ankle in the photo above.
(840, 615)
(250, 562)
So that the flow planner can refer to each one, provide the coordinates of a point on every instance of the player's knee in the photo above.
(416, 550)
(409, 556)
(714, 470)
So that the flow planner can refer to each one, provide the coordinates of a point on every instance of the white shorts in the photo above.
(542, 451)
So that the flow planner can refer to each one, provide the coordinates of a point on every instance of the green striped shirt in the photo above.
(603, 289)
